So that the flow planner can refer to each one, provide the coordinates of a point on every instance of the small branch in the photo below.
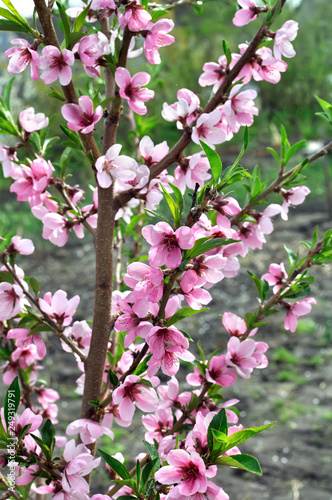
(46, 318)
(9, 493)
(279, 181)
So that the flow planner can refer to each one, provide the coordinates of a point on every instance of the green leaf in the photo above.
(218, 423)
(143, 366)
(113, 378)
(46, 450)
(126, 497)
(65, 23)
(75, 141)
(160, 215)
(152, 452)
(7, 277)
(158, 13)
(214, 160)
(173, 207)
(209, 245)
(239, 437)
(178, 196)
(79, 21)
(150, 468)
(183, 313)
(292, 259)
(12, 401)
(227, 52)
(7, 92)
(48, 433)
(18, 17)
(33, 283)
(115, 465)
(274, 154)
(138, 472)
(245, 462)
(261, 285)
(56, 94)
(293, 149)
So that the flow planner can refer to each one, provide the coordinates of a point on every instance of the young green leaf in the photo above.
(183, 313)
(245, 462)
(115, 465)
(12, 401)
(218, 423)
(214, 160)
(239, 437)
(48, 434)
(173, 207)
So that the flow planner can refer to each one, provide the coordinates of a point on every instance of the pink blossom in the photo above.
(277, 276)
(208, 269)
(234, 324)
(135, 17)
(81, 116)
(167, 244)
(194, 295)
(132, 320)
(131, 88)
(59, 308)
(27, 474)
(206, 129)
(184, 111)
(253, 234)
(150, 153)
(24, 338)
(249, 12)
(6, 157)
(147, 282)
(132, 392)
(21, 57)
(30, 122)
(263, 66)
(240, 108)
(219, 373)
(56, 64)
(79, 333)
(46, 397)
(186, 470)
(213, 73)
(292, 197)
(10, 300)
(22, 246)
(157, 424)
(31, 182)
(283, 38)
(114, 166)
(192, 171)
(296, 310)
(88, 430)
(157, 37)
(240, 356)
(80, 463)
(89, 49)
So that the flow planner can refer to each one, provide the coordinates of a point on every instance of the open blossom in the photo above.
(31, 182)
(58, 307)
(152, 154)
(292, 197)
(132, 320)
(146, 282)
(239, 109)
(240, 356)
(234, 324)
(184, 111)
(80, 463)
(88, 430)
(192, 171)
(249, 12)
(219, 373)
(30, 122)
(56, 64)
(296, 310)
(81, 116)
(206, 129)
(131, 88)
(167, 244)
(23, 56)
(158, 37)
(214, 73)
(283, 38)
(186, 470)
(23, 246)
(10, 300)
(113, 166)
(24, 339)
(276, 277)
(192, 291)
(135, 17)
(132, 392)
(157, 424)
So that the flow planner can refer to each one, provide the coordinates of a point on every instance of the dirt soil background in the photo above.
(295, 390)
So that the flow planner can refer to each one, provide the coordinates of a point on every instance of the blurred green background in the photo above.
(199, 33)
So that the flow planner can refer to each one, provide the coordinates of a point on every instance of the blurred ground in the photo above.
(294, 390)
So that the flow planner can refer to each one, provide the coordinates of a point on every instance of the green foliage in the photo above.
(12, 401)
